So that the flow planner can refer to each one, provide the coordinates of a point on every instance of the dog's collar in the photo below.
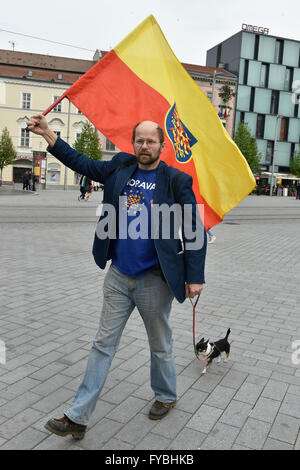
(208, 352)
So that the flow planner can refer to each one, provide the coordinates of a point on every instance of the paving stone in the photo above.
(220, 397)
(291, 405)
(253, 434)
(249, 393)
(127, 409)
(236, 413)
(49, 318)
(187, 439)
(221, 437)
(285, 428)
(204, 418)
(265, 409)
(273, 444)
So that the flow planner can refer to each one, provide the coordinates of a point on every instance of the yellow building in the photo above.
(29, 84)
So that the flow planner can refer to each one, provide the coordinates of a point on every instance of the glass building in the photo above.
(268, 69)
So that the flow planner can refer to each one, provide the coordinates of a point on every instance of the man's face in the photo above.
(147, 146)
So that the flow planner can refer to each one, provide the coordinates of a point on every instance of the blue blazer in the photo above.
(178, 265)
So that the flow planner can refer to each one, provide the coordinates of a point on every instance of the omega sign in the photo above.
(255, 29)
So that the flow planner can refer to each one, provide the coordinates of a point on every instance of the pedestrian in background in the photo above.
(298, 190)
(26, 178)
(85, 188)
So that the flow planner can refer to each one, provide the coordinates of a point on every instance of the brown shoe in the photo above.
(64, 426)
(159, 409)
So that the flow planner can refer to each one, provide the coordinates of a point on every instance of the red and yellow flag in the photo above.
(141, 79)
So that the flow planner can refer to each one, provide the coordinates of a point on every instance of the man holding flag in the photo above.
(145, 272)
(142, 79)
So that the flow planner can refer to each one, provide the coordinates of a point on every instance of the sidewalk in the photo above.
(49, 312)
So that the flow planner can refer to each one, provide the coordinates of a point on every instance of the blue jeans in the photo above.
(153, 299)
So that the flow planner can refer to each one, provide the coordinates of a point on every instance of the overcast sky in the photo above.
(190, 26)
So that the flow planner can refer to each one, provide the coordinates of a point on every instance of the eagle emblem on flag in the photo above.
(181, 138)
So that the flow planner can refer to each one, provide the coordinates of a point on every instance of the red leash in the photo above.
(194, 316)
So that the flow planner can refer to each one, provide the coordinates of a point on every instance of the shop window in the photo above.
(53, 173)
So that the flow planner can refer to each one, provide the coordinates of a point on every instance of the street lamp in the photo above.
(273, 159)
(68, 138)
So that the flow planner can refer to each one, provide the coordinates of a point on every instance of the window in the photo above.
(59, 76)
(26, 100)
(284, 129)
(57, 108)
(274, 102)
(78, 134)
(278, 51)
(252, 98)
(29, 73)
(260, 126)
(288, 79)
(269, 152)
(256, 46)
(246, 69)
(58, 133)
(24, 138)
(110, 145)
(264, 75)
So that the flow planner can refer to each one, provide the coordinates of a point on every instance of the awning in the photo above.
(284, 176)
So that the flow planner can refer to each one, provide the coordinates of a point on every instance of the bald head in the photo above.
(149, 125)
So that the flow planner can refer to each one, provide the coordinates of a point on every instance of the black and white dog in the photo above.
(213, 350)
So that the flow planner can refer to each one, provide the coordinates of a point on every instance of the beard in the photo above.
(146, 158)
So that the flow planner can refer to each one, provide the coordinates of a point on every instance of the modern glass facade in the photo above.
(268, 70)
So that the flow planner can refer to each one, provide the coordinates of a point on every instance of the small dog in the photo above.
(213, 350)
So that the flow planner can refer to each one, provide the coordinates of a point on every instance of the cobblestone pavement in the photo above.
(49, 311)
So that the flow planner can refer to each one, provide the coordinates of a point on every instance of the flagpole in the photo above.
(44, 113)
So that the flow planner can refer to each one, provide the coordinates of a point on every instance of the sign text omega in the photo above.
(255, 29)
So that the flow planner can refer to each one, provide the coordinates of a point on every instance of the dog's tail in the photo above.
(228, 333)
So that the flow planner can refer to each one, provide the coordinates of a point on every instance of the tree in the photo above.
(226, 93)
(295, 163)
(88, 142)
(7, 151)
(248, 146)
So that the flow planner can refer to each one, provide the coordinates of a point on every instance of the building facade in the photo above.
(30, 83)
(268, 70)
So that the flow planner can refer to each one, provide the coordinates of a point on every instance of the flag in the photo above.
(141, 79)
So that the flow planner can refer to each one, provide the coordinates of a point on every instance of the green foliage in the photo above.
(7, 151)
(225, 94)
(88, 143)
(295, 163)
(248, 146)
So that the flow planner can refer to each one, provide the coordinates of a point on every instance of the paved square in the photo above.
(50, 301)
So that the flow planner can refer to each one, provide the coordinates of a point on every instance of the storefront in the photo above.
(20, 166)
